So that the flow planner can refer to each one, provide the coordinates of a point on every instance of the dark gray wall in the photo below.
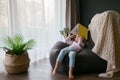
(88, 8)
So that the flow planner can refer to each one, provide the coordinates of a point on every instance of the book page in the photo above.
(83, 31)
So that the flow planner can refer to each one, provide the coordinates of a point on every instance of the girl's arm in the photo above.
(69, 40)
(81, 42)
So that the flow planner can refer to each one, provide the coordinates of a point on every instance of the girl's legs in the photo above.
(72, 55)
(60, 57)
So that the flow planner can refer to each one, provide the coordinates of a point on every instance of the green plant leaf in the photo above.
(65, 32)
(17, 45)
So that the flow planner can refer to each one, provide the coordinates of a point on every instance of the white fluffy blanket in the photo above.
(105, 32)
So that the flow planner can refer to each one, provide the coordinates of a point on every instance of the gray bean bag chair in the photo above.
(86, 60)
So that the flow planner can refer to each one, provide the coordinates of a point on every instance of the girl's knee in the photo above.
(63, 51)
(72, 54)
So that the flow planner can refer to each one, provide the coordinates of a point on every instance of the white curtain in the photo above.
(37, 19)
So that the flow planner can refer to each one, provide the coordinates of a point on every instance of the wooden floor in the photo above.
(41, 70)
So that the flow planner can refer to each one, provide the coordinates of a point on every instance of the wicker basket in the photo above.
(15, 64)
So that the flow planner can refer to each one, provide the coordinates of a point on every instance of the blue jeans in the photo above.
(71, 53)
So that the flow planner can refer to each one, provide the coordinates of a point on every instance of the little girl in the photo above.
(74, 47)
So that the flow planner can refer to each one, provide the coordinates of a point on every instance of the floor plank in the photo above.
(41, 70)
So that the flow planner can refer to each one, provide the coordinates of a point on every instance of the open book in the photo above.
(80, 30)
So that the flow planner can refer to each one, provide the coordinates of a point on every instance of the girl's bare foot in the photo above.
(71, 76)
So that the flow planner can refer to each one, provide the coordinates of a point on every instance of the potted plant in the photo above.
(65, 32)
(16, 55)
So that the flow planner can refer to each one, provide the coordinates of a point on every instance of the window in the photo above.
(3, 23)
(37, 19)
